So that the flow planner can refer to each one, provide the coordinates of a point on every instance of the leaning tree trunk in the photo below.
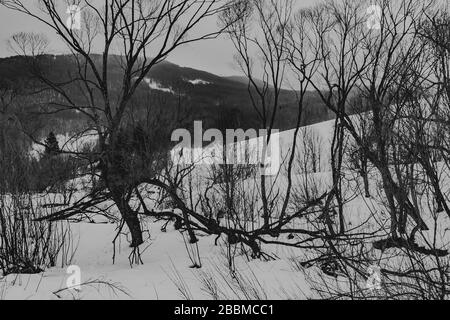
(116, 177)
(130, 217)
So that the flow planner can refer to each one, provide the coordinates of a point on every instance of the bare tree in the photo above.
(28, 44)
(144, 33)
(390, 70)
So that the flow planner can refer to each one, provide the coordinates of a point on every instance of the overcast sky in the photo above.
(215, 56)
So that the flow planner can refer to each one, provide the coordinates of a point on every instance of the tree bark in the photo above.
(130, 217)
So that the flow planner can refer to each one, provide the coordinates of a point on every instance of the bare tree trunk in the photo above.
(130, 217)
(365, 174)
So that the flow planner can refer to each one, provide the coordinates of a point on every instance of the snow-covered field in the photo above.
(165, 261)
(166, 272)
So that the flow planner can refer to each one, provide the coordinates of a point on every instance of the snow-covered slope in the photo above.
(166, 266)
(165, 261)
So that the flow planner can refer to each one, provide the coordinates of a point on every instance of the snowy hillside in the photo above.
(166, 261)
(167, 273)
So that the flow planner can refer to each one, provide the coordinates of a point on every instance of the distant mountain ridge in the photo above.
(206, 94)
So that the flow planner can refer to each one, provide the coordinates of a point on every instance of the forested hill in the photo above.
(204, 96)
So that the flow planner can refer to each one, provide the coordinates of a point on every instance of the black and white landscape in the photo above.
(225, 149)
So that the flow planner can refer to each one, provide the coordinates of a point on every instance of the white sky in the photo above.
(215, 56)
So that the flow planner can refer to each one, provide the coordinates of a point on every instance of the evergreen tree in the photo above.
(51, 145)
